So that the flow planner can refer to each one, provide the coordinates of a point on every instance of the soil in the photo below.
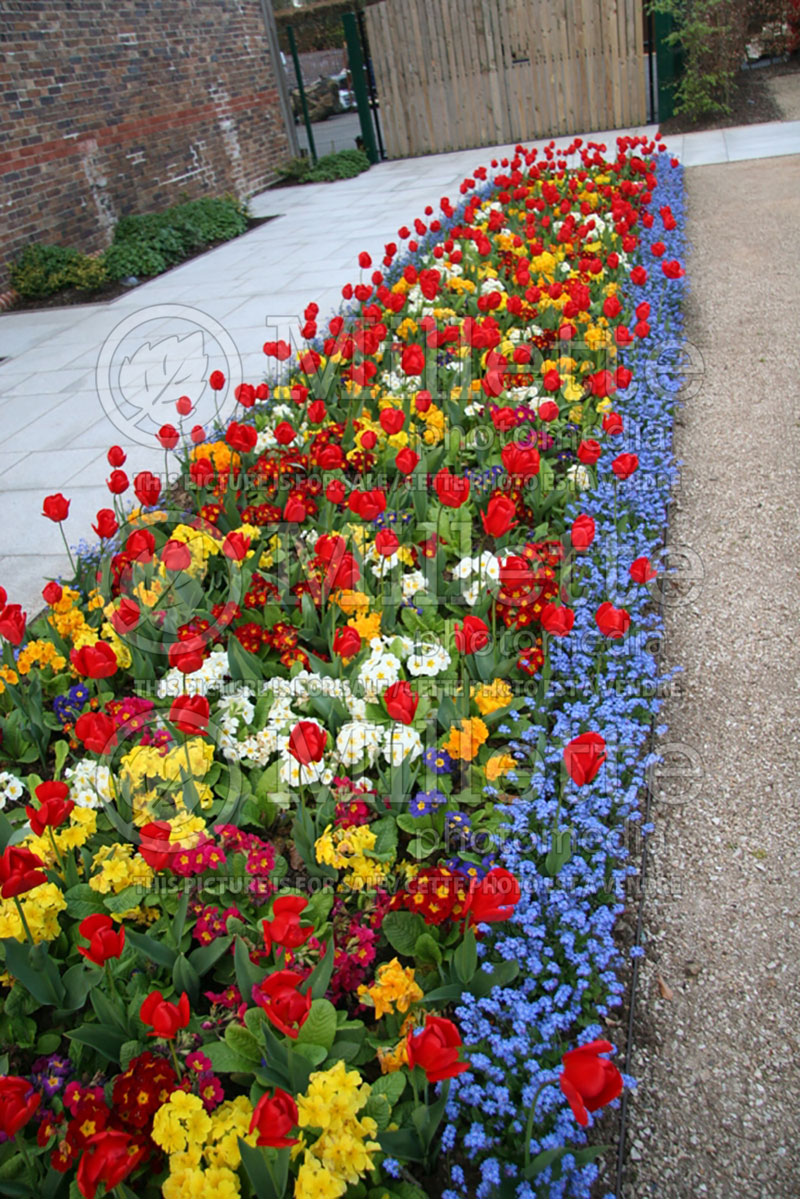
(74, 296)
(752, 103)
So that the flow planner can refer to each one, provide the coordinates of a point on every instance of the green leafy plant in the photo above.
(343, 164)
(44, 270)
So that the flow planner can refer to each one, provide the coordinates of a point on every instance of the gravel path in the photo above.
(718, 1039)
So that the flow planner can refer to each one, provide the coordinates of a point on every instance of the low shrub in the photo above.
(44, 270)
(343, 164)
(144, 245)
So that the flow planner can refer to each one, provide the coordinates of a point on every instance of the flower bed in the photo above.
(316, 775)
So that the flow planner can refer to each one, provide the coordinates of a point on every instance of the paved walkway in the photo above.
(66, 368)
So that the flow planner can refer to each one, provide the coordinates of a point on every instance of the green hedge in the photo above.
(143, 245)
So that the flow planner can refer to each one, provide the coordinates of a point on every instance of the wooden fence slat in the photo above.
(452, 74)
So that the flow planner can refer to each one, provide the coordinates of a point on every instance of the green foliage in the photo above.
(149, 243)
(344, 164)
(711, 36)
(144, 245)
(43, 270)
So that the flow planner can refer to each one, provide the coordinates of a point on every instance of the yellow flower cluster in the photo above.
(41, 907)
(82, 825)
(69, 621)
(346, 849)
(394, 989)
(490, 697)
(7, 675)
(203, 1147)
(498, 765)
(342, 1152)
(464, 742)
(40, 653)
(145, 771)
(115, 867)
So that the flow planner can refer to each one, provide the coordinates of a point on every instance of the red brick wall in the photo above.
(115, 106)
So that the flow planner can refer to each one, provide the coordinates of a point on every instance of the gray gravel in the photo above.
(718, 1038)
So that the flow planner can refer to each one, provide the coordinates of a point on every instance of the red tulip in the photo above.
(551, 380)
(583, 756)
(283, 1004)
(52, 593)
(392, 420)
(236, 547)
(612, 622)
(498, 517)
(20, 871)
(241, 437)
(106, 523)
(520, 461)
(548, 410)
(589, 451)
(18, 1102)
(471, 635)
(108, 1157)
(557, 621)
(452, 490)
(386, 543)
(642, 571)
(165, 1018)
(613, 424)
(335, 492)
(140, 546)
(367, 504)
(96, 661)
(493, 898)
(588, 1080)
(401, 702)
(284, 927)
(406, 461)
(187, 656)
(183, 405)
(125, 619)
(56, 508)
(273, 1117)
(436, 1049)
(147, 488)
(176, 555)
(413, 360)
(582, 532)
(673, 269)
(155, 846)
(601, 384)
(54, 807)
(117, 482)
(307, 742)
(97, 732)
(106, 941)
(216, 380)
(284, 433)
(168, 436)
(189, 714)
(12, 623)
(347, 642)
(294, 510)
(624, 466)
(116, 456)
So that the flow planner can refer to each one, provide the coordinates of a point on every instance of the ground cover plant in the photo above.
(316, 772)
(143, 245)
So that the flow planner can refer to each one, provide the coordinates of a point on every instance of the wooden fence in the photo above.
(457, 74)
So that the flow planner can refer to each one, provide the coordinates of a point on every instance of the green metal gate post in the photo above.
(299, 74)
(359, 85)
(668, 64)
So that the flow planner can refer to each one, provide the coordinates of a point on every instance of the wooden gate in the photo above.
(457, 74)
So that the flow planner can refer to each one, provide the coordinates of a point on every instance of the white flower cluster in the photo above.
(209, 677)
(90, 783)
(11, 788)
(480, 570)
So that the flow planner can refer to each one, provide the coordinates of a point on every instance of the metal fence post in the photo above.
(359, 85)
